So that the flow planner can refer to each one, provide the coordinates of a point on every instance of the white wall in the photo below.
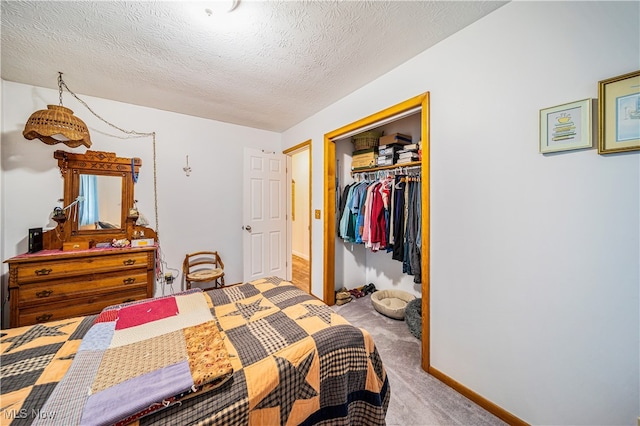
(534, 258)
(194, 213)
(300, 226)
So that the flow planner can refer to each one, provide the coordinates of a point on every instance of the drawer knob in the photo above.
(43, 271)
(129, 280)
(44, 317)
(44, 293)
(128, 262)
(128, 300)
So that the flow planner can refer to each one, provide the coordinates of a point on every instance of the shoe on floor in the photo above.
(341, 295)
(369, 288)
(343, 301)
(356, 293)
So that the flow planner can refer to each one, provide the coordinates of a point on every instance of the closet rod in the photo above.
(386, 172)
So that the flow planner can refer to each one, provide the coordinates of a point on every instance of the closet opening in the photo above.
(346, 264)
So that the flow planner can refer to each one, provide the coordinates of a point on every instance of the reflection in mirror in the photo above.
(101, 202)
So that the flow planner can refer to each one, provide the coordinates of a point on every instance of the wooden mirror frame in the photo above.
(100, 163)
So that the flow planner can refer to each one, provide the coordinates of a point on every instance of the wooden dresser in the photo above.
(52, 284)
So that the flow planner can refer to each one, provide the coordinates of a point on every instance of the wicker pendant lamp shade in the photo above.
(57, 124)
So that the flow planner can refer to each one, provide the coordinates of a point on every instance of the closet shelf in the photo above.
(394, 166)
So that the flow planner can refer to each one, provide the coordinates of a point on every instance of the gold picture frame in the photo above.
(619, 113)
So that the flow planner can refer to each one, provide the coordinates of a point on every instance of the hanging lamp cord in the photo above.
(60, 83)
(131, 133)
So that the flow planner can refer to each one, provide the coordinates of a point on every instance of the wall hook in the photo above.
(187, 169)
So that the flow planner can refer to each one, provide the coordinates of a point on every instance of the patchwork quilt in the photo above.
(290, 359)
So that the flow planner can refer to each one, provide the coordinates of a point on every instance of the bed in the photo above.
(264, 353)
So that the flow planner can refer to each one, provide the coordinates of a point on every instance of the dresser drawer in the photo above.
(54, 290)
(82, 306)
(47, 270)
(54, 284)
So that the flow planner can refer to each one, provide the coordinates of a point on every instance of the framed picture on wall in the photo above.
(619, 113)
(565, 127)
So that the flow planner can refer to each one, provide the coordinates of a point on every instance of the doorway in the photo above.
(299, 214)
(420, 103)
(264, 214)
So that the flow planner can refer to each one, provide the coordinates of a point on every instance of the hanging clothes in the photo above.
(399, 221)
(354, 207)
(377, 237)
(416, 254)
(391, 218)
(343, 202)
(385, 214)
(411, 261)
(342, 225)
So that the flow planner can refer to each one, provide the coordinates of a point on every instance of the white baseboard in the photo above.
(304, 256)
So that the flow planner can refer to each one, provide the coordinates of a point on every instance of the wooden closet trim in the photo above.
(330, 204)
(290, 152)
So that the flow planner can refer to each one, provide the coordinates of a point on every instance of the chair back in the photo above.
(201, 260)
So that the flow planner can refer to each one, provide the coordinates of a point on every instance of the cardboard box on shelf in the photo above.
(411, 155)
(412, 147)
(364, 158)
(365, 151)
(364, 162)
(390, 149)
(386, 161)
(406, 160)
(395, 138)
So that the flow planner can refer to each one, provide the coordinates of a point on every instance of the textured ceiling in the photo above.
(267, 64)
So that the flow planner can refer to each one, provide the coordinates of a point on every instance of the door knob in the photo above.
(247, 228)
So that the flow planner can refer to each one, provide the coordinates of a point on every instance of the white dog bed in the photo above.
(391, 302)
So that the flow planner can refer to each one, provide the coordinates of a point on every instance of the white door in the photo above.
(264, 214)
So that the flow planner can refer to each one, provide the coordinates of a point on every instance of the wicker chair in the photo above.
(201, 267)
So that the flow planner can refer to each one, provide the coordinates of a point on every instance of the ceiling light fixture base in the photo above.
(221, 6)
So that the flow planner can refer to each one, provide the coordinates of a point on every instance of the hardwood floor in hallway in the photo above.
(301, 273)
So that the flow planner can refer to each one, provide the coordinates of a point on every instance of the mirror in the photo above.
(100, 203)
(102, 186)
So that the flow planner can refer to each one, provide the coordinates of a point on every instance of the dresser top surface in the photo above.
(60, 254)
